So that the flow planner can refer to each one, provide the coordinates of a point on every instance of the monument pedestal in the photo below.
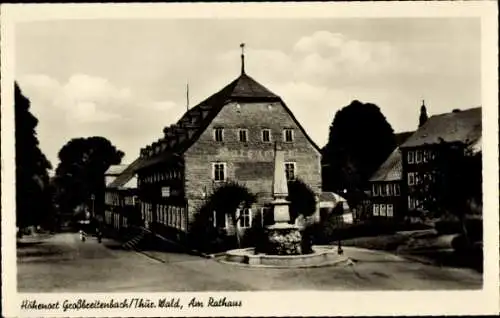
(283, 239)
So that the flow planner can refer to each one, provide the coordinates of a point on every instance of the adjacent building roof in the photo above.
(115, 170)
(127, 178)
(402, 137)
(330, 197)
(391, 169)
(457, 126)
(180, 136)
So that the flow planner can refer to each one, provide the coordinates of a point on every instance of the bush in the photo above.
(469, 253)
(224, 201)
(474, 228)
(325, 233)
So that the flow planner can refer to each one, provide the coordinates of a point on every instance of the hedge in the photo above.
(474, 228)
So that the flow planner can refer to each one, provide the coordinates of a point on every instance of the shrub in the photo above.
(326, 232)
(474, 228)
(225, 200)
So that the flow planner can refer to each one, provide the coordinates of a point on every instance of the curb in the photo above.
(177, 244)
(344, 261)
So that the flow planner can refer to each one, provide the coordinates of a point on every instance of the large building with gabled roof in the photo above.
(230, 136)
(459, 128)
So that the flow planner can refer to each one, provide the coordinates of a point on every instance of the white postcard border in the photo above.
(485, 301)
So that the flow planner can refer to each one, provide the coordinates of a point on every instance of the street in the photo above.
(63, 263)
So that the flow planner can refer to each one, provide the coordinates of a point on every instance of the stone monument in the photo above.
(283, 238)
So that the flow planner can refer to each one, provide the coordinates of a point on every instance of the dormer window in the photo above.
(219, 134)
(288, 135)
(243, 135)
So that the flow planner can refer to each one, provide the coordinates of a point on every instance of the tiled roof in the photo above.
(123, 179)
(180, 136)
(115, 170)
(391, 169)
(457, 126)
(330, 197)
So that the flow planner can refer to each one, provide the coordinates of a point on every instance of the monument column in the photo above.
(283, 238)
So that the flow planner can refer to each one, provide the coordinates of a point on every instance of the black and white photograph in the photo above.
(200, 156)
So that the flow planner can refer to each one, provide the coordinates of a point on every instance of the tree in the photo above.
(423, 115)
(302, 199)
(302, 202)
(360, 140)
(33, 202)
(226, 200)
(453, 185)
(80, 173)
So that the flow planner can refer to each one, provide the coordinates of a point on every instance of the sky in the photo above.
(126, 79)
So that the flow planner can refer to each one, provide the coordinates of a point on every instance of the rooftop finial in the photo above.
(242, 46)
(187, 95)
(423, 114)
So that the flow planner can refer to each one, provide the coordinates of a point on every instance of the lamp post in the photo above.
(340, 251)
(92, 197)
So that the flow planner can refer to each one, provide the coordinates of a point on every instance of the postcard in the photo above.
(250, 159)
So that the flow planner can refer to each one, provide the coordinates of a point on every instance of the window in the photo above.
(432, 154)
(418, 178)
(375, 190)
(390, 212)
(375, 210)
(243, 134)
(426, 156)
(245, 216)
(219, 134)
(383, 190)
(183, 219)
(266, 135)
(169, 215)
(411, 157)
(389, 189)
(265, 215)
(418, 156)
(411, 178)
(411, 203)
(396, 189)
(179, 217)
(382, 210)
(219, 171)
(165, 192)
(290, 171)
(288, 135)
(174, 221)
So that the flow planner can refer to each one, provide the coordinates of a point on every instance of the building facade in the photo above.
(460, 128)
(228, 137)
(121, 199)
(387, 202)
